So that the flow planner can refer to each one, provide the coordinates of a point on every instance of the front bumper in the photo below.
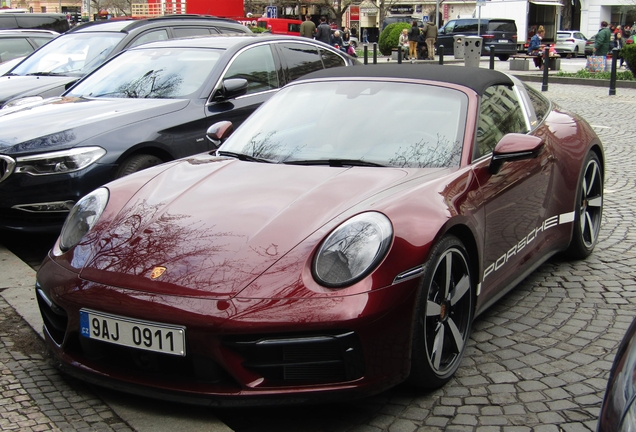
(240, 351)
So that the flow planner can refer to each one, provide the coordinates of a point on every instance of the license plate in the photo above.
(145, 335)
(503, 40)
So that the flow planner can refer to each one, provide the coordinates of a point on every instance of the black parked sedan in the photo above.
(53, 69)
(148, 105)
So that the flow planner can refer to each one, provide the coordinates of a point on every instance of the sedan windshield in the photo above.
(163, 73)
(74, 54)
(356, 123)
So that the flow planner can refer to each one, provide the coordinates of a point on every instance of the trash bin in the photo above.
(472, 50)
(458, 46)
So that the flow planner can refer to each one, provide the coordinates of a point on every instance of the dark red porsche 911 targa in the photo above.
(339, 242)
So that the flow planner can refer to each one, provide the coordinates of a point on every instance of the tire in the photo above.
(589, 209)
(443, 315)
(576, 52)
(504, 57)
(136, 163)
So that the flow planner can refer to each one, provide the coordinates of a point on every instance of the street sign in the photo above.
(271, 12)
(481, 2)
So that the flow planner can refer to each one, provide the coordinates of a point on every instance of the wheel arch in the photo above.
(466, 236)
(149, 148)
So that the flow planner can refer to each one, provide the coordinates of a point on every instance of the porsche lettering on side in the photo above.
(310, 258)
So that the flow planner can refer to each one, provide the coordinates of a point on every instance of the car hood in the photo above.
(64, 122)
(21, 86)
(213, 227)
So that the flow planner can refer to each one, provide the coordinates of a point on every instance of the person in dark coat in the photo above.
(414, 34)
(602, 41)
(323, 31)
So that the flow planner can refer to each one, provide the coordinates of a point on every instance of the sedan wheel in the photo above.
(137, 163)
(589, 209)
(444, 315)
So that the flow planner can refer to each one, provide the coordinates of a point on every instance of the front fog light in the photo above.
(353, 250)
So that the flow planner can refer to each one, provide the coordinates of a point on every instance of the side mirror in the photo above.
(219, 132)
(514, 147)
(231, 88)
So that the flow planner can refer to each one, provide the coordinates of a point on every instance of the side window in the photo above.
(540, 104)
(257, 66)
(225, 30)
(190, 31)
(331, 59)
(39, 41)
(448, 28)
(151, 36)
(500, 113)
(11, 48)
(301, 59)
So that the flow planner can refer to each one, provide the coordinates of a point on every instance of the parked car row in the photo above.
(266, 263)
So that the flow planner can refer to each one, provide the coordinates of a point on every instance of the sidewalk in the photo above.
(36, 397)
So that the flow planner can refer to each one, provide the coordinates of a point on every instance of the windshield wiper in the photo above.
(338, 163)
(241, 156)
(45, 74)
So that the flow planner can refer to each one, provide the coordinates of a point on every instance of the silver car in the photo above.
(570, 43)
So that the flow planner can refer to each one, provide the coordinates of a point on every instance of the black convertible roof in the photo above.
(478, 79)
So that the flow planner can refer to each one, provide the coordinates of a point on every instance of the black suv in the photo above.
(498, 32)
(54, 68)
(43, 21)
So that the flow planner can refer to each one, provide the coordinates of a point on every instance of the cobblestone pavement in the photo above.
(34, 396)
(537, 361)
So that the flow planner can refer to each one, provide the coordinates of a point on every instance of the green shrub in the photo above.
(258, 29)
(583, 73)
(390, 37)
(628, 52)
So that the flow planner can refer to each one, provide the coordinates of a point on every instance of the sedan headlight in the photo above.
(353, 250)
(22, 101)
(82, 218)
(59, 162)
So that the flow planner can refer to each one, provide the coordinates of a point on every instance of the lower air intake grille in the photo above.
(306, 359)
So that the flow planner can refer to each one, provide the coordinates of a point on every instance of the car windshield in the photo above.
(73, 54)
(356, 123)
(162, 73)
(564, 35)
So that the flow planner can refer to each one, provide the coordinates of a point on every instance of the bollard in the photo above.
(399, 55)
(366, 54)
(612, 89)
(546, 67)
(440, 53)
(492, 57)
(375, 53)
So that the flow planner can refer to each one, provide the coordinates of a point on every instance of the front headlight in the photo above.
(353, 250)
(82, 218)
(22, 101)
(59, 162)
